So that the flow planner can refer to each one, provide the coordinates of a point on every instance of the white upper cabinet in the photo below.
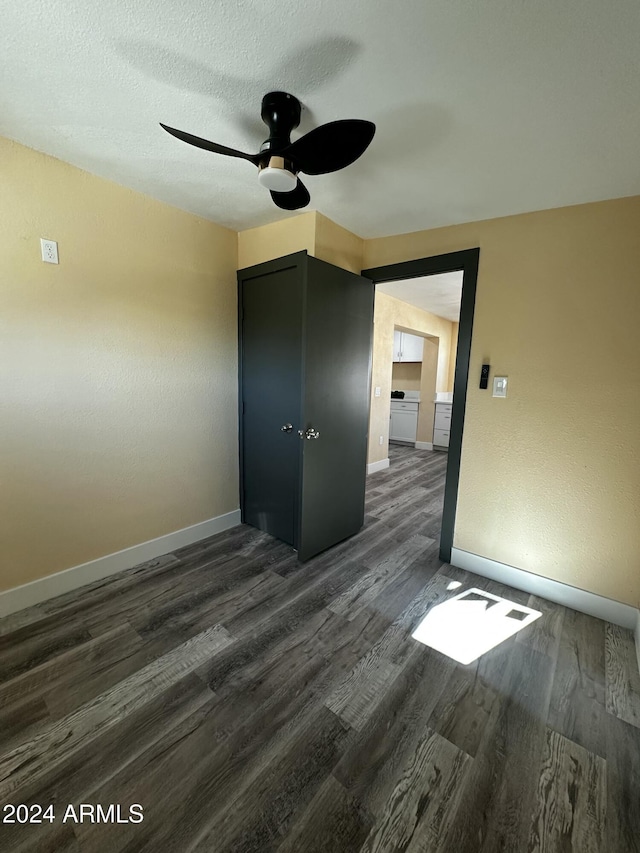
(412, 347)
(397, 345)
(407, 347)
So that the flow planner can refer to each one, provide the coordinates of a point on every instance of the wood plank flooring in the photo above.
(251, 703)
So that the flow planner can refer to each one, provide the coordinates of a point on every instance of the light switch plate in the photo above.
(499, 386)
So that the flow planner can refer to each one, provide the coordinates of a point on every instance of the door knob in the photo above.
(286, 428)
(308, 433)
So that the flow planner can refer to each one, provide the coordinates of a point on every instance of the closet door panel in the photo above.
(270, 399)
(337, 347)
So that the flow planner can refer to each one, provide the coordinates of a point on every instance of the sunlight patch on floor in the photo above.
(471, 623)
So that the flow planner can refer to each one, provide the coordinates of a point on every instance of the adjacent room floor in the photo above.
(250, 703)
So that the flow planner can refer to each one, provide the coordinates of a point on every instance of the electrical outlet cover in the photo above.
(49, 250)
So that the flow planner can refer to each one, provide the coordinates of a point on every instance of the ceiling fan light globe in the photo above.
(277, 180)
(275, 176)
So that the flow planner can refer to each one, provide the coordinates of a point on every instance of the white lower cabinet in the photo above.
(404, 421)
(442, 425)
(440, 438)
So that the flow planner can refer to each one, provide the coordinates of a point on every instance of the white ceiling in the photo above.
(440, 294)
(483, 107)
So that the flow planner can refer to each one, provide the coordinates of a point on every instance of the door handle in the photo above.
(310, 432)
(286, 428)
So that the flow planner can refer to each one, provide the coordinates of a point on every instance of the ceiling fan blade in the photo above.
(331, 146)
(209, 146)
(297, 198)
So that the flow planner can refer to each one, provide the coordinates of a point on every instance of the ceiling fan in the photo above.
(325, 149)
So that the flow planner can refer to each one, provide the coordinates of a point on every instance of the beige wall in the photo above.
(550, 476)
(118, 368)
(428, 384)
(312, 231)
(267, 242)
(390, 313)
(406, 375)
(337, 245)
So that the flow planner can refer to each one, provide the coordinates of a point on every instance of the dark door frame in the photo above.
(466, 260)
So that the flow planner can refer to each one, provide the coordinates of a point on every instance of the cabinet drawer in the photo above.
(443, 420)
(441, 437)
(445, 408)
(401, 406)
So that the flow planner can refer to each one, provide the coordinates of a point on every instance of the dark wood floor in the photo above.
(250, 703)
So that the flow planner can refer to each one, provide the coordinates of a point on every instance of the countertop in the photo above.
(409, 397)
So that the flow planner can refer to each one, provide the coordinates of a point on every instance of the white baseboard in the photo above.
(561, 593)
(12, 600)
(424, 445)
(372, 467)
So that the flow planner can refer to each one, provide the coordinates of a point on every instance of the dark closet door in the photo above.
(305, 351)
(270, 316)
(337, 379)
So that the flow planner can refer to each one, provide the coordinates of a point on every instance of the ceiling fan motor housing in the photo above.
(281, 113)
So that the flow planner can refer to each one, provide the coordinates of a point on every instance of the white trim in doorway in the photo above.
(372, 467)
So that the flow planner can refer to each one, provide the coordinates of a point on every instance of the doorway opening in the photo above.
(466, 263)
(414, 365)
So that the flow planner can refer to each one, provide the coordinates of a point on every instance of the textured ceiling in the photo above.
(484, 108)
(439, 294)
